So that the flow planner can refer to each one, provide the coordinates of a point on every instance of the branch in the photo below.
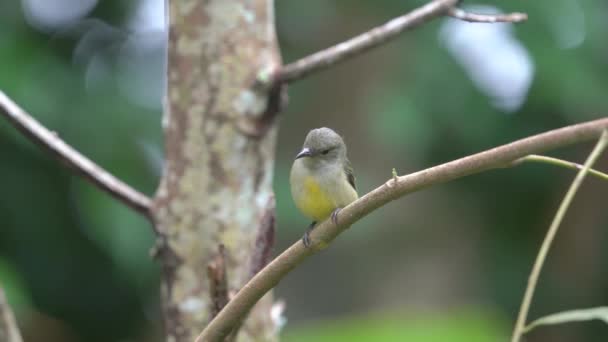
(382, 34)
(458, 13)
(394, 188)
(544, 248)
(218, 281)
(9, 331)
(63, 152)
(558, 162)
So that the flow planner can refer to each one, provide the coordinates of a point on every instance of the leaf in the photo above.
(569, 316)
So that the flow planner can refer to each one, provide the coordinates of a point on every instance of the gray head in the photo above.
(322, 146)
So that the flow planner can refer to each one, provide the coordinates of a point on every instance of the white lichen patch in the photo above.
(263, 197)
(250, 103)
(192, 305)
(248, 15)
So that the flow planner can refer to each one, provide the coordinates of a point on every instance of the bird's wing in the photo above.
(350, 174)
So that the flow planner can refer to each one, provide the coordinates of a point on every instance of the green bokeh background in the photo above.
(447, 264)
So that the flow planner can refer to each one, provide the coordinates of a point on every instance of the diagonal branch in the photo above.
(101, 178)
(382, 34)
(394, 188)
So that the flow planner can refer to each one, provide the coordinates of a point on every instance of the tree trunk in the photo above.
(216, 188)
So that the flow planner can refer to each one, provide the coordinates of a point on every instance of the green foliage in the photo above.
(465, 326)
(14, 287)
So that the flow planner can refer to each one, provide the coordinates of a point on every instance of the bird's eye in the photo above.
(324, 152)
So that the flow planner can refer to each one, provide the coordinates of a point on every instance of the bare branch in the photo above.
(363, 42)
(326, 231)
(382, 34)
(9, 331)
(458, 13)
(520, 324)
(558, 162)
(105, 181)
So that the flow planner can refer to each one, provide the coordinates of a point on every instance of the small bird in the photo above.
(322, 179)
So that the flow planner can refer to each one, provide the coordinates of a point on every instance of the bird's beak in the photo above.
(306, 152)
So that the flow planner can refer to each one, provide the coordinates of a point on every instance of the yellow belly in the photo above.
(314, 202)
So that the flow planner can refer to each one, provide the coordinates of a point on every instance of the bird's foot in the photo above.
(334, 216)
(306, 237)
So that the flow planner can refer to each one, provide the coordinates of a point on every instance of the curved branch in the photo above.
(394, 188)
(382, 34)
(101, 178)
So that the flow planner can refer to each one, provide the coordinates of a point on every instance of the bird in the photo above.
(322, 180)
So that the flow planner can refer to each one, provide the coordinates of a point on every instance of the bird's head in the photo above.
(321, 147)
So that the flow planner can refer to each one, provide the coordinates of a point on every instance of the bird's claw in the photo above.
(334, 216)
(306, 237)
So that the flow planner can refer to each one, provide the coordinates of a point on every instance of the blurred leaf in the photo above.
(123, 234)
(14, 287)
(469, 326)
(580, 315)
(399, 122)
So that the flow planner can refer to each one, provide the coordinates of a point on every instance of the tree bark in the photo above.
(220, 137)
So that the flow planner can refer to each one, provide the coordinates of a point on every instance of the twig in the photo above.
(381, 34)
(101, 178)
(544, 249)
(265, 239)
(9, 331)
(218, 281)
(326, 231)
(559, 162)
(458, 13)
(395, 176)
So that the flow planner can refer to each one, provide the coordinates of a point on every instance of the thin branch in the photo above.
(326, 231)
(264, 241)
(218, 281)
(380, 35)
(544, 249)
(515, 17)
(101, 178)
(559, 162)
(9, 331)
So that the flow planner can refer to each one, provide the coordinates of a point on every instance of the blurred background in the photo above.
(447, 264)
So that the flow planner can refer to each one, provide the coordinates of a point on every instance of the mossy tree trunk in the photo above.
(220, 137)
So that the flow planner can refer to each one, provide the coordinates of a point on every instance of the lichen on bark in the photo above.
(217, 182)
